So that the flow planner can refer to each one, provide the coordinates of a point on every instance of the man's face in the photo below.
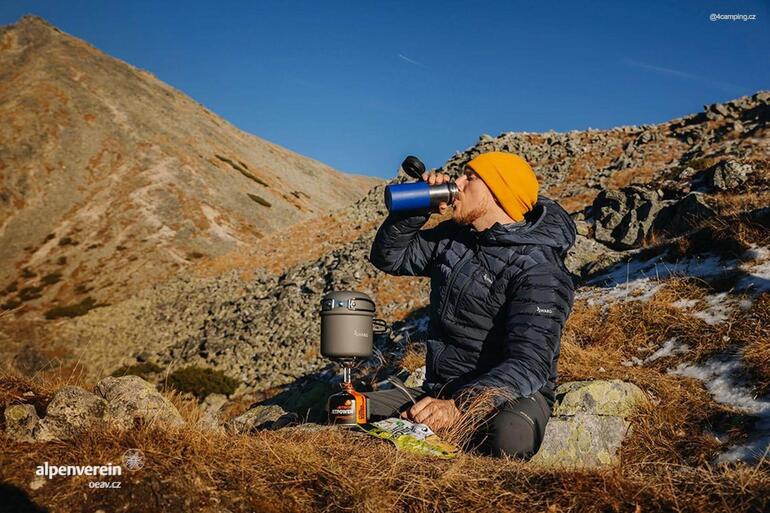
(474, 199)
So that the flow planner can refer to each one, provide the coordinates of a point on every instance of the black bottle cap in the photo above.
(413, 167)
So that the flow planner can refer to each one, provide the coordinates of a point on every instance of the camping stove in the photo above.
(347, 329)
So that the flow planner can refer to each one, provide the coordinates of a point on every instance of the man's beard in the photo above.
(470, 216)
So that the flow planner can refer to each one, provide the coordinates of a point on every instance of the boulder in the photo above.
(588, 423)
(624, 217)
(71, 411)
(261, 417)
(131, 398)
(581, 441)
(683, 215)
(211, 409)
(20, 422)
(614, 397)
(727, 175)
(587, 256)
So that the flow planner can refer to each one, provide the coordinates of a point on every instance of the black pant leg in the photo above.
(383, 404)
(516, 429)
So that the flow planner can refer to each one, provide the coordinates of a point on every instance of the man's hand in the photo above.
(434, 413)
(437, 179)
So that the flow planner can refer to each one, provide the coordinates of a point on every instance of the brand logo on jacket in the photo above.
(543, 310)
(487, 278)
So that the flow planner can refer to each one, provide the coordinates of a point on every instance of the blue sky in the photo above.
(359, 85)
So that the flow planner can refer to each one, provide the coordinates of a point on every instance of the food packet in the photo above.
(411, 437)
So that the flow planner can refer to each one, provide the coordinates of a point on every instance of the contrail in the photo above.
(411, 61)
(726, 86)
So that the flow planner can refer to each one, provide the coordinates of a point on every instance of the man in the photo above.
(500, 295)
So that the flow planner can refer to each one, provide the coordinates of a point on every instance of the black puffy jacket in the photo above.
(499, 298)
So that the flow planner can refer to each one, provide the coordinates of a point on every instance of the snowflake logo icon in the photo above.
(133, 459)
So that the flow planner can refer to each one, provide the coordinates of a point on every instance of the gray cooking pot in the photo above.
(348, 325)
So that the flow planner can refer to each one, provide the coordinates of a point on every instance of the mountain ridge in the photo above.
(111, 179)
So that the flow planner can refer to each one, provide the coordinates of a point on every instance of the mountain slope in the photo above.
(111, 180)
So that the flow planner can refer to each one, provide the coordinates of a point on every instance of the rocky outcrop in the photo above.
(71, 411)
(624, 217)
(727, 175)
(118, 402)
(683, 215)
(588, 424)
(131, 399)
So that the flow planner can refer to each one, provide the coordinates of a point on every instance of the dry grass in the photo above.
(726, 236)
(753, 333)
(189, 469)
(414, 357)
(664, 460)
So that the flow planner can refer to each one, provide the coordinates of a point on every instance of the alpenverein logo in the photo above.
(133, 459)
(543, 310)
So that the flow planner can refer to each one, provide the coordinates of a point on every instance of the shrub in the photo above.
(242, 169)
(82, 288)
(10, 304)
(68, 241)
(201, 381)
(143, 370)
(50, 279)
(12, 287)
(29, 293)
(61, 260)
(258, 199)
(28, 273)
(195, 254)
(75, 310)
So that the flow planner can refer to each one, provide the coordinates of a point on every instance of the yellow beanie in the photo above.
(510, 179)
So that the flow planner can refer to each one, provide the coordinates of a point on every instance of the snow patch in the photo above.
(670, 347)
(717, 311)
(722, 378)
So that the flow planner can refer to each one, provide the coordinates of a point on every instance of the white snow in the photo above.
(722, 377)
(718, 309)
(685, 304)
(669, 348)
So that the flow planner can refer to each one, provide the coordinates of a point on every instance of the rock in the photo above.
(581, 441)
(210, 411)
(683, 215)
(624, 217)
(588, 423)
(71, 411)
(614, 397)
(261, 417)
(130, 398)
(416, 378)
(587, 256)
(20, 422)
(727, 175)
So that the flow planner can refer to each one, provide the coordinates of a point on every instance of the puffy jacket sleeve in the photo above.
(538, 304)
(401, 248)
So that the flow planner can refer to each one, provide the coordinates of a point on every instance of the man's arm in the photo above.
(537, 309)
(401, 248)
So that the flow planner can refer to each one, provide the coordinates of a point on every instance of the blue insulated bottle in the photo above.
(417, 196)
